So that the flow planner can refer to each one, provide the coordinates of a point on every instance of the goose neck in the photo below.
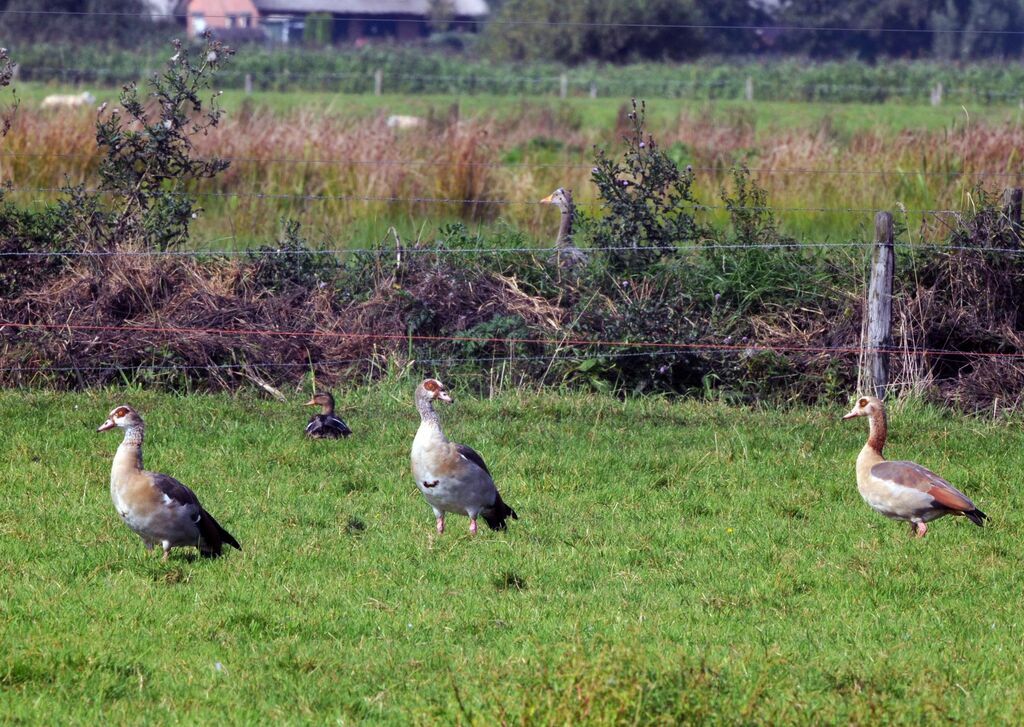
(878, 430)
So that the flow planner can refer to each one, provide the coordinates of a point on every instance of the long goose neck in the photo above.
(565, 228)
(129, 452)
(878, 429)
(429, 418)
(327, 409)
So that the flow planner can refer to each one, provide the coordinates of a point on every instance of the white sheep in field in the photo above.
(400, 121)
(70, 101)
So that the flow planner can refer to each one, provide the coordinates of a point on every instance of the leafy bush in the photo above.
(292, 263)
(148, 151)
(647, 202)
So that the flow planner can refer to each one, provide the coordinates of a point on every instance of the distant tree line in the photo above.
(577, 31)
(115, 22)
(611, 30)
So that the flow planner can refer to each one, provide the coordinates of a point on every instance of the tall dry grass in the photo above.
(335, 172)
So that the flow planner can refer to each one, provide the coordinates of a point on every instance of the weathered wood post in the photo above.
(937, 94)
(378, 82)
(593, 89)
(748, 89)
(248, 84)
(1012, 197)
(876, 366)
(563, 85)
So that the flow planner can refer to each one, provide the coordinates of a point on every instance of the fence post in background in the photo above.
(378, 82)
(1012, 197)
(563, 85)
(876, 373)
(593, 89)
(937, 94)
(748, 89)
(248, 84)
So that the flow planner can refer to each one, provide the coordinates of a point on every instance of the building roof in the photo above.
(462, 8)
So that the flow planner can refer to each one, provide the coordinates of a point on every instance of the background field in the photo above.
(674, 560)
(329, 161)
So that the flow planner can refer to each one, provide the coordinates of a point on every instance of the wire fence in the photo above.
(718, 169)
(742, 86)
(747, 347)
(414, 200)
(538, 251)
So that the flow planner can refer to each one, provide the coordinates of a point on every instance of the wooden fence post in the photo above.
(593, 89)
(1012, 197)
(248, 84)
(937, 94)
(563, 85)
(748, 89)
(876, 372)
(378, 82)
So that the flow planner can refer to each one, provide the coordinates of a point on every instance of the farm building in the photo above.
(331, 21)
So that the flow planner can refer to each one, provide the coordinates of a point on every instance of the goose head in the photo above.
(432, 390)
(122, 416)
(561, 198)
(866, 406)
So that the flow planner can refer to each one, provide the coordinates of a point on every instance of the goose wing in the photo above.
(916, 477)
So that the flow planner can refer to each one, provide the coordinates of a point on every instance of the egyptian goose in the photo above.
(325, 425)
(566, 254)
(158, 507)
(452, 477)
(903, 490)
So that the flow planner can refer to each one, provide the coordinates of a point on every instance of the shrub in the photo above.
(647, 201)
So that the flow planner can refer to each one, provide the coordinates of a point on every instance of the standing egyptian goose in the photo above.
(452, 477)
(325, 425)
(903, 490)
(158, 507)
(566, 254)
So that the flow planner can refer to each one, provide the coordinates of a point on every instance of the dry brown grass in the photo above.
(359, 166)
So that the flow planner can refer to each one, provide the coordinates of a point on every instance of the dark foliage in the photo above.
(148, 152)
(646, 199)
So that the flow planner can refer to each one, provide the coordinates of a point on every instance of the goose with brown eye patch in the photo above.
(452, 477)
(326, 424)
(161, 510)
(903, 490)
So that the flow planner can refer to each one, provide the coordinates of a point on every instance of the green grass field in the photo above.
(599, 114)
(674, 561)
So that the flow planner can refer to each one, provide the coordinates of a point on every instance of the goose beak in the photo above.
(310, 403)
(852, 415)
(548, 199)
(109, 424)
(445, 396)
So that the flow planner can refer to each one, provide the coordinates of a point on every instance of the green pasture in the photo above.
(674, 561)
(596, 115)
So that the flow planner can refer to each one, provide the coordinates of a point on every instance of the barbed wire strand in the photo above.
(543, 165)
(753, 347)
(538, 251)
(558, 23)
(393, 199)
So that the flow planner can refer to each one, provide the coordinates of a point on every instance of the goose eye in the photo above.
(862, 403)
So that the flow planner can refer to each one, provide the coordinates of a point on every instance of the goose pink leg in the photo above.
(472, 526)
(918, 530)
(440, 525)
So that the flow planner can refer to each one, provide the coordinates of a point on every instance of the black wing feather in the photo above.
(175, 490)
(473, 456)
(213, 535)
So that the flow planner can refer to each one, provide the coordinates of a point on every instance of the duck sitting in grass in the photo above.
(325, 425)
